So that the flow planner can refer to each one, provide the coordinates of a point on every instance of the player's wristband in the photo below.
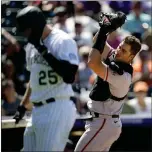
(21, 109)
(100, 41)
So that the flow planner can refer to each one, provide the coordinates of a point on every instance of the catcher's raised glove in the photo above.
(111, 21)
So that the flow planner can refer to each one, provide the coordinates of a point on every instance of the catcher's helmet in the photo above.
(33, 18)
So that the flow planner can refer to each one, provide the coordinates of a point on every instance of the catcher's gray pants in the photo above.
(100, 134)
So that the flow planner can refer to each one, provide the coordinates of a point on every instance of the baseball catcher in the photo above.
(114, 77)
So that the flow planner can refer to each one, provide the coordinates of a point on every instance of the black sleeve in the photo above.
(100, 41)
(64, 68)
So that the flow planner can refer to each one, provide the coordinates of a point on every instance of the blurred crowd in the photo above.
(80, 21)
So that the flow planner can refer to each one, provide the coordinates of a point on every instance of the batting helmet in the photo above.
(33, 18)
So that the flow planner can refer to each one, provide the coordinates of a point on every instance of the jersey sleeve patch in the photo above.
(72, 56)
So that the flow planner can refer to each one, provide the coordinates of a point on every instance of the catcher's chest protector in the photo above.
(101, 91)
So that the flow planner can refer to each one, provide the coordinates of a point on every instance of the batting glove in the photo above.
(19, 114)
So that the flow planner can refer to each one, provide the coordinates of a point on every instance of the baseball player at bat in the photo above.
(52, 60)
(114, 76)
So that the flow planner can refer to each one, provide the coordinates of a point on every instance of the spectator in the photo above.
(141, 103)
(34, 3)
(10, 74)
(10, 99)
(60, 19)
(143, 66)
(2, 77)
(12, 50)
(147, 38)
(127, 109)
(137, 21)
(147, 5)
(82, 84)
(105, 7)
(89, 24)
(9, 69)
(12, 44)
(80, 36)
(123, 6)
(92, 6)
(84, 71)
(77, 90)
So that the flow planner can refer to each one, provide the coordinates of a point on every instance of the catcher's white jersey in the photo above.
(44, 81)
